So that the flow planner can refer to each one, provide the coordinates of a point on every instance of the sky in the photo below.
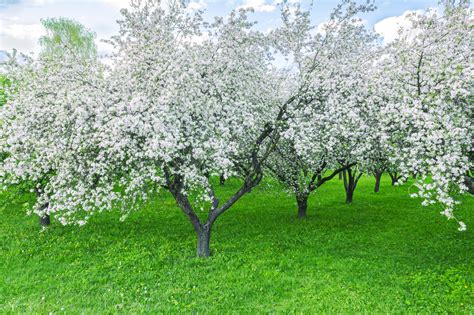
(20, 20)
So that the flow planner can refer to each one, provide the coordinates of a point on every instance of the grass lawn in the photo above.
(384, 253)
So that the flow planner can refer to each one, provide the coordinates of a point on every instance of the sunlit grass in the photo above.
(383, 253)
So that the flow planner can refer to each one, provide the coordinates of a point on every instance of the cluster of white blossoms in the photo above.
(185, 100)
(404, 108)
(50, 132)
(329, 127)
(428, 76)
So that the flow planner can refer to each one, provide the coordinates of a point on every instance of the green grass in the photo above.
(384, 253)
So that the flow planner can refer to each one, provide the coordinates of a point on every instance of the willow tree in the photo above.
(64, 35)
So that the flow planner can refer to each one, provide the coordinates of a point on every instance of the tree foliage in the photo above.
(186, 100)
(65, 34)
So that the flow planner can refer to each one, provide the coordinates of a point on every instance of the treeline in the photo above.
(185, 99)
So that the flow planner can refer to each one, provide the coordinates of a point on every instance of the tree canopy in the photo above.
(186, 100)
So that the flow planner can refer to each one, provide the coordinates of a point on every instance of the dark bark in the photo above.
(221, 180)
(351, 178)
(418, 74)
(469, 182)
(45, 220)
(302, 193)
(175, 185)
(394, 177)
(302, 201)
(348, 185)
(349, 195)
(315, 184)
(203, 239)
(340, 175)
(378, 177)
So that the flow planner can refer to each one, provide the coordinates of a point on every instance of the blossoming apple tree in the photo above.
(328, 134)
(186, 100)
(42, 128)
(40, 87)
(429, 88)
(198, 100)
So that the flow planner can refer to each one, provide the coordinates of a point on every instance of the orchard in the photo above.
(183, 101)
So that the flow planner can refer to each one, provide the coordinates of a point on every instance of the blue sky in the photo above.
(20, 19)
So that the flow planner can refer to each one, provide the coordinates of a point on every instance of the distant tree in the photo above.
(64, 36)
(328, 134)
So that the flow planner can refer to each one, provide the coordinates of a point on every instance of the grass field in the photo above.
(384, 253)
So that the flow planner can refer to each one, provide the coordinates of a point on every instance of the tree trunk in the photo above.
(349, 195)
(351, 178)
(348, 184)
(203, 231)
(222, 180)
(302, 201)
(378, 176)
(394, 177)
(469, 182)
(176, 186)
(45, 220)
(340, 175)
(203, 239)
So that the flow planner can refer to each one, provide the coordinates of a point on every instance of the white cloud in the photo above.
(23, 31)
(388, 28)
(258, 6)
(40, 2)
(197, 5)
(22, 36)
